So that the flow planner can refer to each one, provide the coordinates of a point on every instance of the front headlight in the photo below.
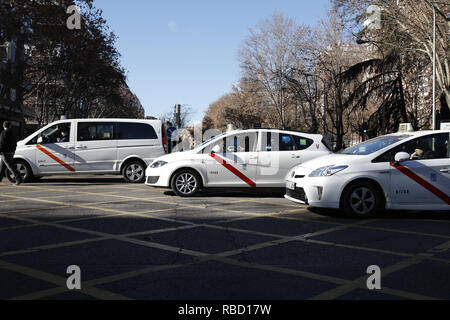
(327, 171)
(158, 164)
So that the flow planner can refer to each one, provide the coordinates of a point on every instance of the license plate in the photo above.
(290, 185)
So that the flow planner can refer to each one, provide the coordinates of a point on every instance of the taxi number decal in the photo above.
(232, 169)
(441, 195)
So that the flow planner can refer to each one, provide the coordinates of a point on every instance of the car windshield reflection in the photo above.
(374, 145)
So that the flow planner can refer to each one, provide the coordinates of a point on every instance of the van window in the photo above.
(96, 131)
(135, 131)
(59, 133)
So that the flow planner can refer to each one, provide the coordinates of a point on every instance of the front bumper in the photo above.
(298, 195)
(322, 192)
(157, 177)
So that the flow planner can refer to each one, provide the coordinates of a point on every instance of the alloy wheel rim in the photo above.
(362, 200)
(135, 172)
(186, 183)
(22, 170)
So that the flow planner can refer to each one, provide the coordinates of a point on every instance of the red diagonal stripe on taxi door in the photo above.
(48, 153)
(441, 195)
(235, 171)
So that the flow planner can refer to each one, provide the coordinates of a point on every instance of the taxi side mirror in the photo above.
(402, 157)
(216, 149)
(40, 140)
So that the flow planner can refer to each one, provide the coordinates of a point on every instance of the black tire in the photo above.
(186, 183)
(24, 169)
(362, 200)
(134, 172)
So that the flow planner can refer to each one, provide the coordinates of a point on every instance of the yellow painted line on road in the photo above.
(205, 207)
(434, 235)
(174, 249)
(122, 238)
(414, 260)
(98, 238)
(59, 281)
(100, 281)
(52, 246)
(284, 240)
(31, 210)
(11, 200)
(318, 277)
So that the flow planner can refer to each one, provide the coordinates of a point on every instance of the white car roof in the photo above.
(306, 135)
(420, 133)
(109, 119)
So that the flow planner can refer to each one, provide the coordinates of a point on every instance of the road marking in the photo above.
(59, 281)
(343, 290)
(173, 249)
(100, 281)
(395, 292)
(290, 239)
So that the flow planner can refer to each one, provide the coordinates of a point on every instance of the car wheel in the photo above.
(362, 200)
(134, 172)
(24, 170)
(186, 183)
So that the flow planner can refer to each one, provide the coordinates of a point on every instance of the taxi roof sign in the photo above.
(445, 126)
(405, 127)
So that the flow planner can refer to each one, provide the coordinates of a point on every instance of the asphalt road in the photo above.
(133, 242)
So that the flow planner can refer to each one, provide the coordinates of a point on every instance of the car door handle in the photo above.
(81, 147)
(446, 170)
(295, 156)
(70, 148)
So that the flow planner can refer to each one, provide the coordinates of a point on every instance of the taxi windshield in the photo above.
(374, 145)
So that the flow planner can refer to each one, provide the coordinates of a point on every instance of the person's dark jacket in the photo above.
(8, 141)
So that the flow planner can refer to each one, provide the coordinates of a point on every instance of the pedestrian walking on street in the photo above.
(8, 145)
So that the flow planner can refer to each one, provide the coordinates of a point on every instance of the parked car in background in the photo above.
(237, 159)
(92, 146)
(404, 171)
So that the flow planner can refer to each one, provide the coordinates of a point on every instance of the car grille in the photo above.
(298, 194)
(152, 180)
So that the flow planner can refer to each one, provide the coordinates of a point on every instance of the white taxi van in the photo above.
(404, 171)
(237, 159)
(91, 146)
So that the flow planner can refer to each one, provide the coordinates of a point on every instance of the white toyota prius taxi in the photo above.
(249, 158)
(404, 171)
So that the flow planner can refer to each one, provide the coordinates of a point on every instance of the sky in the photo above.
(186, 51)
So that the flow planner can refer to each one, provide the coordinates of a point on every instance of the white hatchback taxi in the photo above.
(404, 171)
(249, 158)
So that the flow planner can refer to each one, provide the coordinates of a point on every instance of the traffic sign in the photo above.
(170, 132)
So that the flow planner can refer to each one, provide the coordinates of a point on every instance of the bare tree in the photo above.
(268, 56)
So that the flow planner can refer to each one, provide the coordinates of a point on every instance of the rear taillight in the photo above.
(164, 141)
